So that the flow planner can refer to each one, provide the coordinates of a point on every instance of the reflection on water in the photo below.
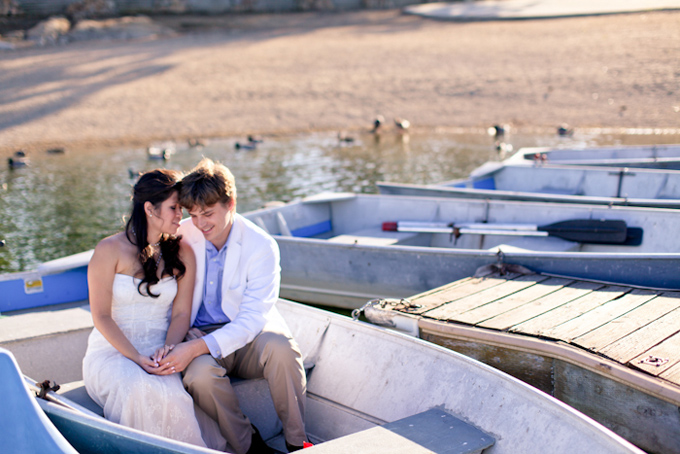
(64, 204)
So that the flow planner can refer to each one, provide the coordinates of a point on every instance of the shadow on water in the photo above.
(64, 204)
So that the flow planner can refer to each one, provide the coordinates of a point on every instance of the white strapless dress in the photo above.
(130, 396)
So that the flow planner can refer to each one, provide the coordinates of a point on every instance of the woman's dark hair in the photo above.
(156, 187)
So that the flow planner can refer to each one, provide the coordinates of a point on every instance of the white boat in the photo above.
(556, 183)
(651, 156)
(334, 250)
(370, 390)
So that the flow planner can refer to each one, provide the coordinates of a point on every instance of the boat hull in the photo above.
(346, 276)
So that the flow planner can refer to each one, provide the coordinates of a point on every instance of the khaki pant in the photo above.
(272, 355)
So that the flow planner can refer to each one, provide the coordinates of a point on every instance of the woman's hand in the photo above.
(161, 353)
(148, 364)
(151, 366)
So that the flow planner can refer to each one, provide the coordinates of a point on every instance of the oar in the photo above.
(579, 230)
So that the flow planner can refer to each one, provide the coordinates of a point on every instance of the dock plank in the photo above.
(572, 309)
(630, 322)
(547, 303)
(544, 286)
(667, 350)
(454, 292)
(450, 310)
(639, 342)
(601, 315)
(672, 374)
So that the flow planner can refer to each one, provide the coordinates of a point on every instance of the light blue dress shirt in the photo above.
(210, 312)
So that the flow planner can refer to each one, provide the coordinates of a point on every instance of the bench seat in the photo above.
(378, 237)
(432, 431)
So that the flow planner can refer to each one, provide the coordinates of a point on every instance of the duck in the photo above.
(402, 124)
(18, 159)
(195, 143)
(252, 139)
(159, 153)
(57, 150)
(245, 146)
(564, 130)
(498, 130)
(503, 148)
(377, 123)
(344, 138)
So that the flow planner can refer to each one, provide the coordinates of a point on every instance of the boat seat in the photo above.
(253, 395)
(432, 431)
(530, 244)
(378, 237)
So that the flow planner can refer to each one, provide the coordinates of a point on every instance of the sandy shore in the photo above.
(270, 74)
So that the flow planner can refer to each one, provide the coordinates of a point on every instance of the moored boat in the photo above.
(650, 156)
(607, 350)
(556, 183)
(369, 390)
(334, 249)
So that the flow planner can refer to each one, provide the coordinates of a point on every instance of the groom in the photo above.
(236, 328)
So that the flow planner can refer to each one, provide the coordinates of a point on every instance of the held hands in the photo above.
(152, 364)
(180, 357)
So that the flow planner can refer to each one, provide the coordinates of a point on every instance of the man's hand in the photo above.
(194, 333)
(179, 358)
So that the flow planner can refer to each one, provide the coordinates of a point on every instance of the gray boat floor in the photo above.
(635, 327)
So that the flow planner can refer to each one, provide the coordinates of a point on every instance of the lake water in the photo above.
(64, 204)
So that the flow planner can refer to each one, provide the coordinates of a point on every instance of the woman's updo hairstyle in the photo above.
(156, 187)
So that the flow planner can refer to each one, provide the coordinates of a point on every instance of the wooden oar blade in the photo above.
(592, 231)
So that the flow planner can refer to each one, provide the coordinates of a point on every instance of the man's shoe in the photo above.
(257, 444)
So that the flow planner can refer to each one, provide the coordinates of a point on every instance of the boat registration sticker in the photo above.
(33, 285)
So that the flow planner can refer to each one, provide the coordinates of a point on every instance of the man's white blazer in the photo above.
(250, 283)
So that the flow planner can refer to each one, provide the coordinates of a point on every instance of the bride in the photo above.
(141, 282)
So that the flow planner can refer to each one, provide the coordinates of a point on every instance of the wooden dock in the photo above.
(610, 351)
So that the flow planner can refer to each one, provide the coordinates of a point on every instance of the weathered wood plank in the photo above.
(572, 309)
(639, 342)
(600, 315)
(540, 306)
(672, 374)
(668, 350)
(453, 292)
(630, 322)
(531, 368)
(450, 310)
(653, 424)
(544, 286)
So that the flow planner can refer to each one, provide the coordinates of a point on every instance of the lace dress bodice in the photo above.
(144, 320)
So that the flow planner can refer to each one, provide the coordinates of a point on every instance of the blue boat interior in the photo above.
(484, 183)
(31, 430)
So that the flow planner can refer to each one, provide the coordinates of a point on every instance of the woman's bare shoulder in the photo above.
(113, 243)
(186, 252)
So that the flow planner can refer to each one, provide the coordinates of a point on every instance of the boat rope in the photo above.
(403, 305)
(46, 387)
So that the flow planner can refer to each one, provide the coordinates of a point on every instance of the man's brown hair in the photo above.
(207, 184)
